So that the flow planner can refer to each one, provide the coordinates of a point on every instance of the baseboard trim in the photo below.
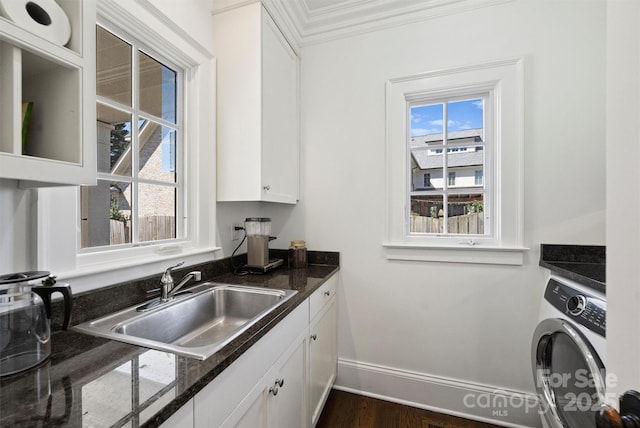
(485, 403)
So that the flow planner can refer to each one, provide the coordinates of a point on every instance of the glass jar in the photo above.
(297, 254)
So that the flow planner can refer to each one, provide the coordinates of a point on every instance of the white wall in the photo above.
(16, 232)
(623, 163)
(192, 16)
(469, 324)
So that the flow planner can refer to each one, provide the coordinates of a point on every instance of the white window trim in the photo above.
(57, 208)
(182, 191)
(505, 246)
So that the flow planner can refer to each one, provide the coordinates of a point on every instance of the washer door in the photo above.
(568, 373)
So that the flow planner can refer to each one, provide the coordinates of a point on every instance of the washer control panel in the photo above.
(587, 310)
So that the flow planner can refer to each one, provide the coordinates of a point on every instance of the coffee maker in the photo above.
(258, 231)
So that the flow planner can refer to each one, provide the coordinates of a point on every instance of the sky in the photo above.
(428, 119)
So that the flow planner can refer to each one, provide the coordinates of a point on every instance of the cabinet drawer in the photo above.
(322, 296)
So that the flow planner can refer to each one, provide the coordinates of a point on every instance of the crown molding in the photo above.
(287, 26)
(303, 26)
(354, 17)
(224, 6)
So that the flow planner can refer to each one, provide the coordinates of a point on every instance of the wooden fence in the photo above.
(152, 228)
(119, 232)
(472, 224)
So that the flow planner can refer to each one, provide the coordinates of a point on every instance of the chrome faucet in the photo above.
(196, 275)
(167, 289)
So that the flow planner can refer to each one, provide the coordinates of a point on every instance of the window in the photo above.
(184, 142)
(463, 126)
(452, 179)
(427, 180)
(478, 177)
(447, 139)
(140, 187)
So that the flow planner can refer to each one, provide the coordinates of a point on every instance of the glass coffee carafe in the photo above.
(25, 310)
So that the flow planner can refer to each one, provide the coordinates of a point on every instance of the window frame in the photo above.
(56, 209)
(450, 181)
(448, 146)
(504, 166)
(136, 113)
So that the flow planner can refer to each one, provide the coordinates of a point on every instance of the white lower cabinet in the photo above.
(287, 406)
(215, 403)
(279, 399)
(323, 355)
(284, 379)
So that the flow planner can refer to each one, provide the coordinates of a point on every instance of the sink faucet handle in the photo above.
(169, 269)
(166, 276)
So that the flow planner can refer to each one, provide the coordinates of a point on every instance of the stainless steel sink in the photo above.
(194, 325)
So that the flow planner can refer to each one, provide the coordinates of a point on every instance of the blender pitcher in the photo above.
(258, 230)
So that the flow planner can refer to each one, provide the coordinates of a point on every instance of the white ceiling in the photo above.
(315, 21)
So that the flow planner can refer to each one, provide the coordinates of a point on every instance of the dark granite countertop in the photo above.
(585, 264)
(94, 382)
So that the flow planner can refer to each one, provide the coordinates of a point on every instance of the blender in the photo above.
(258, 230)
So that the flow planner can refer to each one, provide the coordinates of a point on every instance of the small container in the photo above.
(298, 254)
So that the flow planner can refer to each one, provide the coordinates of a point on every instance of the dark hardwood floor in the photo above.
(346, 410)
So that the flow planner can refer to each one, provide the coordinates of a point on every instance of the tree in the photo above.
(119, 142)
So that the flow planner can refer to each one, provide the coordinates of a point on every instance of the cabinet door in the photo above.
(257, 132)
(279, 399)
(323, 358)
(254, 415)
(287, 409)
(280, 159)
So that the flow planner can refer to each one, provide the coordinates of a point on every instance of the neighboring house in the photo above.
(464, 163)
(464, 172)
(157, 162)
(157, 157)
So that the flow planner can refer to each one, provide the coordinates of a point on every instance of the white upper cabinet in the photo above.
(257, 108)
(57, 146)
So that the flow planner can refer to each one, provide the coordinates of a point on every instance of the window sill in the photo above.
(456, 254)
(90, 276)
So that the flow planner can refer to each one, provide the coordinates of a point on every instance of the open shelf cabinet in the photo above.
(59, 82)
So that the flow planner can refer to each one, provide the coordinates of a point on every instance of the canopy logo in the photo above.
(500, 402)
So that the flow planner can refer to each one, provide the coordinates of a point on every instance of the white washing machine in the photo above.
(568, 354)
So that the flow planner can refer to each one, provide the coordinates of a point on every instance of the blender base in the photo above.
(273, 263)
